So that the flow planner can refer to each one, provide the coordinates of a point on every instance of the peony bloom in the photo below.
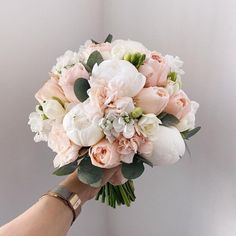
(155, 70)
(168, 146)
(120, 77)
(121, 47)
(188, 121)
(39, 126)
(59, 142)
(81, 124)
(148, 126)
(179, 105)
(104, 155)
(68, 78)
(89, 47)
(152, 99)
(53, 109)
(50, 89)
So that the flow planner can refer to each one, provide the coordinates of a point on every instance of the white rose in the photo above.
(121, 47)
(188, 121)
(39, 126)
(81, 124)
(121, 77)
(168, 146)
(53, 109)
(148, 125)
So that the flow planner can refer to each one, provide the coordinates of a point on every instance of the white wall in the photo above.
(197, 195)
(32, 35)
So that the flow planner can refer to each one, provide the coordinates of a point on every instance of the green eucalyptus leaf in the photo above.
(88, 173)
(86, 67)
(132, 170)
(189, 133)
(95, 57)
(108, 38)
(144, 160)
(169, 120)
(81, 87)
(94, 41)
(66, 170)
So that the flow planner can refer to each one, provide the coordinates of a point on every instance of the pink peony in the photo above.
(104, 155)
(155, 70)
(179, 105)
(68, 79)
(58, 141)
(152, 99)
(50, 89)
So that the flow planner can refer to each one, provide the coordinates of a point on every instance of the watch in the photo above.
(71, 199)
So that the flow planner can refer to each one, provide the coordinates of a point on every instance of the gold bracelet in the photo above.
(70, 199)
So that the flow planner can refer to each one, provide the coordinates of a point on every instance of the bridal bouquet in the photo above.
(114, 104)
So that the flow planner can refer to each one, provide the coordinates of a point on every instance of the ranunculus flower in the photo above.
(152, 99)
(104, 155)
(155, 70)
(121, 47)
(81, 124)
(50, 89)
(39, 126)
(120, 76)
(148, 126)
(68, 78)
(179, 105)
(53, 109)
(188, 121)
(168, 146)
(59, 142)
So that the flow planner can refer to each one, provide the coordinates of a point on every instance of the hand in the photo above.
(86, 192)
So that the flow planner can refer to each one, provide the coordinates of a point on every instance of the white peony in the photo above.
(65, 61)
(53, 109)
(188, 121)
(121, 77)
(81, 124)
(148, 125)
(39, 126)
(168, 146)
(121, 47)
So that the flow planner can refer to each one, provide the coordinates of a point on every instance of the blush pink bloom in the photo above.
(104, 155)
(152, 99)
(58, 141)
(155, 70)
(50, 89)
(68, 79)
(179, 105)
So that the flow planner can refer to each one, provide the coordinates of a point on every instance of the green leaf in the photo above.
(169, 120)
(189, 133)
(132, 170)
(88, 173)
(108, 38)
(94, 41)
(172, 76)
(66, 170)
(144, 160)
(86, 67)
(95, 57)
(81, 87)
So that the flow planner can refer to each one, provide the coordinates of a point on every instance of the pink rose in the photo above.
(104, 155)
(58, 141)
(50, 89)
(152, 99)
(179, 105)
(68, 79)
(155, 70)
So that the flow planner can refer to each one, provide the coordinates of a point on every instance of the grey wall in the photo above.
(194, 197)
(32, 35)
(197, 196)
